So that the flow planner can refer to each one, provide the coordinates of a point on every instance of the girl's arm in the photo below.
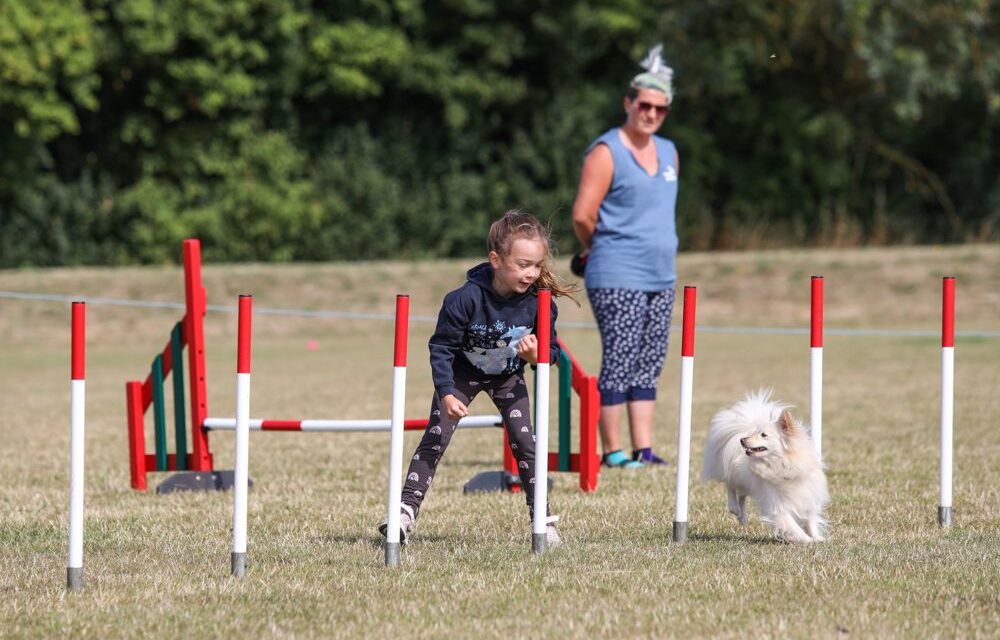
(446, 343)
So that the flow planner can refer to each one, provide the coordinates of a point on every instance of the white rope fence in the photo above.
(389, 317)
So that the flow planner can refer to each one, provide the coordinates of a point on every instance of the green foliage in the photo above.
(47, 67)
(290, 130)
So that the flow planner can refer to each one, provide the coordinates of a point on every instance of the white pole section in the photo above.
(74, 564)
(392, 537)
(343, 426)
(241, 471)
(947, 397)
(680, 531)
(539, 516)
(816, 366)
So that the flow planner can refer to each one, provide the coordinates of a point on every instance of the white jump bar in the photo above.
(347, 426)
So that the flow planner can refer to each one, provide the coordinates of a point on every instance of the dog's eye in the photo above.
(763, 435)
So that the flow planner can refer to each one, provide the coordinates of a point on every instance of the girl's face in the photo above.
(519, 269)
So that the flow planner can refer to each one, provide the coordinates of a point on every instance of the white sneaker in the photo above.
(407, 524)
(552, 538)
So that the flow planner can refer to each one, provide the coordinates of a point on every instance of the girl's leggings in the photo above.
(510, 395)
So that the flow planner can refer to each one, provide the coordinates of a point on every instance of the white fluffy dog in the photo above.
(757, 449)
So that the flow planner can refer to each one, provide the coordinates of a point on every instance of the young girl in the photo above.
(485, 334)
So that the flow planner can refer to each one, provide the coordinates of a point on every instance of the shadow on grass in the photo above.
(733, 537)
(471, 463)
(376, 540)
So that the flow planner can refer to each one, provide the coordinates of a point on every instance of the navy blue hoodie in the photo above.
(478, 331)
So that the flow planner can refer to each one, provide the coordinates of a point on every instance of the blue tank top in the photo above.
(635, 243)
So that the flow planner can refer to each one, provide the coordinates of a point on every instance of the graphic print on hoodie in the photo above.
(478, 331)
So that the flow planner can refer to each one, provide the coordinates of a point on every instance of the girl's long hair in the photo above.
(518, 224)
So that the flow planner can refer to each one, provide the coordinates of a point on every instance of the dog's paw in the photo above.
(792, 536)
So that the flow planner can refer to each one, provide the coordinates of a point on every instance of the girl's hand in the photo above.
(455, 408)
(527, 348)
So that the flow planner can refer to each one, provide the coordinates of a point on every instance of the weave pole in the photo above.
(241, 472)
(816, 366)
(74, 564)
(947, 396)
(540, 511)
(392, 545)
(684, 416)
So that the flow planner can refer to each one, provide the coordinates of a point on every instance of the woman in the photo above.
(624, 217)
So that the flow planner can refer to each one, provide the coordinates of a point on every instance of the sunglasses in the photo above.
(661, 109)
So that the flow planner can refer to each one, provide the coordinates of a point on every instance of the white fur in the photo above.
(786, 479)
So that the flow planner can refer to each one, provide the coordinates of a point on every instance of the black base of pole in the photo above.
(944, 516)
(680, 531)
(239, 564)
(392, 558)
(74, 578)
(539, 543)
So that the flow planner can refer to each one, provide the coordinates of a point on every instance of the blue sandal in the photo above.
(620, 460)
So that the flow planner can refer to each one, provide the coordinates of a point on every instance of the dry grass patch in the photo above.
(158, 566)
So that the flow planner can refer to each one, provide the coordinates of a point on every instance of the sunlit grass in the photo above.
(159, 565)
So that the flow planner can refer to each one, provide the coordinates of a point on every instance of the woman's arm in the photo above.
(595, 180)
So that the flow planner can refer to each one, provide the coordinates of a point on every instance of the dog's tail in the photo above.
(807, 431)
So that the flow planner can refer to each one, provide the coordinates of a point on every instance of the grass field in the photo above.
(159, 566)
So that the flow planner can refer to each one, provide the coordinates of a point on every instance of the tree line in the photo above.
(280, 130)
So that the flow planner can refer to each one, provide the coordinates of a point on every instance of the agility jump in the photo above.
(195, 469)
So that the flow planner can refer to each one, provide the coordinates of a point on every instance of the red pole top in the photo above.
(687, 338)
(79, 341)
(816, 335)
(402, 329)
(243, 332)
(544, 324)
(948, 312)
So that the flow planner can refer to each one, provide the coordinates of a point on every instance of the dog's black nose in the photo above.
(743, 441)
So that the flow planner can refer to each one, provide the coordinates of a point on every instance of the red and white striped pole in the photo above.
(74, 564)
(539, 516)
(241, 472)
(392, 542)
(816, 366)
(684, 416)
(947, 397)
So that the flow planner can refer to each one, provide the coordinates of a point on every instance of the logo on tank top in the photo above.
(670, 175)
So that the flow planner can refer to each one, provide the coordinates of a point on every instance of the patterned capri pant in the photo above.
(635, 329)
(510, 395)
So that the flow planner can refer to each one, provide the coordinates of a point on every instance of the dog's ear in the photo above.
(787, 424)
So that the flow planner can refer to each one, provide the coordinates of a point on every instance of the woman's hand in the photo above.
(455, 408)
(527, 348)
